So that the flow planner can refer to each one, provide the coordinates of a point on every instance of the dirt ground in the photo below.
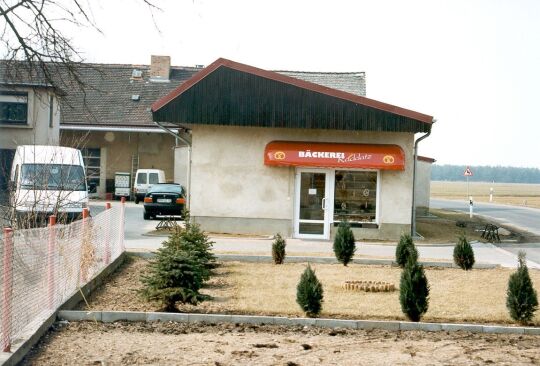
(121, 343)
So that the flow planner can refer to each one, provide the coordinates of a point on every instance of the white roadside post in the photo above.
(467, 174)
(470, 207)
(491, 194)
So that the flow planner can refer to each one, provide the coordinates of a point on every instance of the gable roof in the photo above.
(107, 98)
(350, 82)
(112, 97)
(231, 93)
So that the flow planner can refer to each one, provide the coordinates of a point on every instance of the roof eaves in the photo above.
(291, 81)
(426, 159)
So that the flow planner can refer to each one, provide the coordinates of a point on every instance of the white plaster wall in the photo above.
(37, 131)
(181, 165)
(423, 184)
(229, 178)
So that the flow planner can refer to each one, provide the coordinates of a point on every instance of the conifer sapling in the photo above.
(414, 290)
(278, 249)
(344, 243)
(404, 249)
(463, 253)
(521, 297)
(309, 293)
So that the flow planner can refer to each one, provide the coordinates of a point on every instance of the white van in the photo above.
(47, 180)
(144, 178)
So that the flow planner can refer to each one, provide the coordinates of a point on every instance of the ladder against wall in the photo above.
(134, 167)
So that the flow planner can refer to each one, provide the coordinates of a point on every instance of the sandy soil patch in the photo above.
(267, 289)
(229, 344)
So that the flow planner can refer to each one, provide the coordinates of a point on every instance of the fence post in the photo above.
(7, 279)
(122, 219)
(50, 261)
(108, 235)
(84, 246)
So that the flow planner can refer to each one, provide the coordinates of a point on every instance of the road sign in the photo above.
(468, 172)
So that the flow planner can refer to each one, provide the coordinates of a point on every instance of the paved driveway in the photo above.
(136, 228)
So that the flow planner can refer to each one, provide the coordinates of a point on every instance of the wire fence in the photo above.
(42, 268)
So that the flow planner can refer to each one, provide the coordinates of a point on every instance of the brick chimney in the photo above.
(160, 67)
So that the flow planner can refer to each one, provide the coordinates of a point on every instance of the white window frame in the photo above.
(378, 200)
(329, 200)
(18, 98)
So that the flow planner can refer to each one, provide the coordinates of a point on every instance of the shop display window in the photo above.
(355, 198)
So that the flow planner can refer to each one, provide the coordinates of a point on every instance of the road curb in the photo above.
(392, 325)
(324, 260)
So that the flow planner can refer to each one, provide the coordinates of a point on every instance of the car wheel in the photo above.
(137, 200)
(147, 216)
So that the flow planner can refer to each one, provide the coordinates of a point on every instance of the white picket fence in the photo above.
(42, 268)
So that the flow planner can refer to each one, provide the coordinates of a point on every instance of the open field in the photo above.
(504, 193)
(267, 289)
(89, 343)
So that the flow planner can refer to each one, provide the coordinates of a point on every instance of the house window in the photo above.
(13, 108)
(355, 197)
(92, 162)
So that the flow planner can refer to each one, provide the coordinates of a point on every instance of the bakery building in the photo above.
(271, 153)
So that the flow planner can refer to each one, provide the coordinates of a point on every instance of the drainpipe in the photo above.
(188, 143)
(413, 211)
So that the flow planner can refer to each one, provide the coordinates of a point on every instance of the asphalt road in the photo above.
(136, 229)
(136, 226)
(522, 218)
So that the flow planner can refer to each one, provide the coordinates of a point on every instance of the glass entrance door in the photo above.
(312, 204)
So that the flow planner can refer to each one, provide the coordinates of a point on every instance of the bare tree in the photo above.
(36, 45)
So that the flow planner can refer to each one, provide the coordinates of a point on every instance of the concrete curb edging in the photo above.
(393, 325)
(21, 346)
(325, 260)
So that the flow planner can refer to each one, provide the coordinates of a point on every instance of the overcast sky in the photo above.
(474, 65)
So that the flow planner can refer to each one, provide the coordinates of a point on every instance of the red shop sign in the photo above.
(331, 155)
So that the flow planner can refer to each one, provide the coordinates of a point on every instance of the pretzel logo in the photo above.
(388, 159)
(279, 155)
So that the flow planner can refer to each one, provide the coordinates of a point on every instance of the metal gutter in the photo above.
(113, 129)
(413, 211)
(188, 143)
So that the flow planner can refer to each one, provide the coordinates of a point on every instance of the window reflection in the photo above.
(355, 197)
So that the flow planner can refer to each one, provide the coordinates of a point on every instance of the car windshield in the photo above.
(53, 177)
(166, 188)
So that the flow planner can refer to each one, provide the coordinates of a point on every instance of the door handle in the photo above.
(323, 203)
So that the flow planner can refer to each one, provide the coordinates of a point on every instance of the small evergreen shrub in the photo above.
(413, 290)
(344, 244)
(404, 249)
(192, 239)
(180, 268)
(278, 249)
(463, 253)
(309, 293)
(174, 275)
(521, 297)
